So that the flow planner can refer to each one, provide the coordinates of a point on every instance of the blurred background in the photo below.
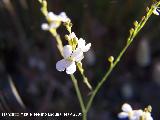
(28, 56)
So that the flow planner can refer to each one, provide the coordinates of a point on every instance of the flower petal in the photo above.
(71, 69)
(62, 64)
(126, 107)
(87, 47)
(133, 118)
(55, 24)
(122, 115)
(77, 55)
(53, 17)
(63, 17)
(67, 51)
(137, 113)
(81, 43)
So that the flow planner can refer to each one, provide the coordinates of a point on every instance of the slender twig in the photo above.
(78, 92)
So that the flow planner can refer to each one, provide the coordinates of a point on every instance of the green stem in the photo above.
(130, 39)
(79, 97)
(58, 40)
(84, 117)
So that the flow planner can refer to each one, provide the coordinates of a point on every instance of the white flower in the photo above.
(131, 114)
(54, 20)
(70, 57)
(156, 11)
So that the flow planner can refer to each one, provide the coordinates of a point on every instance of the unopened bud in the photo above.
(135, 23)
(149, 108)
(131, 31)
(111, 59)
(143, 18)
(66, 37)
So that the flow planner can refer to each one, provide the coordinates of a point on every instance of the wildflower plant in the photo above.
(73, 54)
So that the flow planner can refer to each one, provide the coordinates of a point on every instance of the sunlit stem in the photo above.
(78, 95)
(58, 40)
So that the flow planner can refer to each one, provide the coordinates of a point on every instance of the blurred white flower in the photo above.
(131, 114)
(143, 53)
(72, 56)
(54, 20)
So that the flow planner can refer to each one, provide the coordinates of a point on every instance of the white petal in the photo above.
(53, 17)
(77, 55)
(67, 50)
(137, 113)
(87, 47)
(63, 17)
(126, 107)
(133, 118)
(122, 115)
(45, 26)
(81, 43)
(71, 69)
(150, 118)
(54, 25)
(62, 64)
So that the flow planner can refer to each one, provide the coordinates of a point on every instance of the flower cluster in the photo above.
(131, 114)
(72, 53)
(54, 20)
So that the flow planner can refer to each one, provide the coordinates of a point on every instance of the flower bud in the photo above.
(66, 37)
(135, 23)
(143, 18)
(111, 59)
(131, 31)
